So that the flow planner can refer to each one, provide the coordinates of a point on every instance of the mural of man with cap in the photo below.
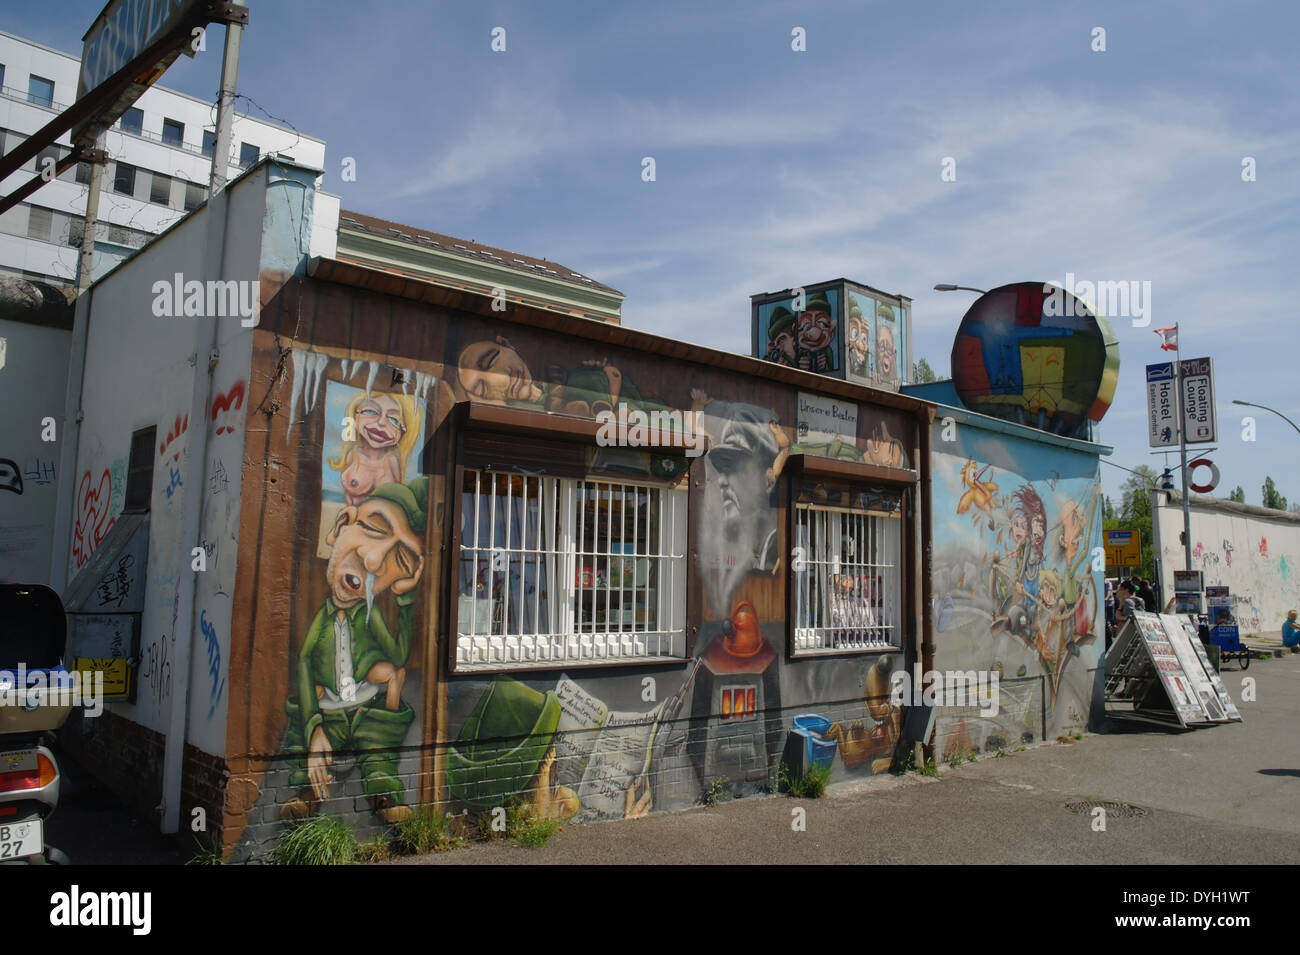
(780, 336)
(352, 667)
(815, 335)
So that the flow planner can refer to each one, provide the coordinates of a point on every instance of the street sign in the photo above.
(1123, 548)
(1162, 408)
(1198, 400)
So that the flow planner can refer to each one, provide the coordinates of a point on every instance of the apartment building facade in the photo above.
(160, 161)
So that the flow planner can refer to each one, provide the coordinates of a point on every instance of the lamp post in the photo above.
(1267, 408)
(954, 288)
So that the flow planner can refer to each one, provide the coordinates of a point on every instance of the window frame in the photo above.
(565, 434)
(804, 469)
(173, 124)
(134, 112)
(32, 97)
(155, 179)
(117, 171)
(244, 162)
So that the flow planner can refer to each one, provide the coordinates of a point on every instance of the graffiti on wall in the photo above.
(92, 520)
(1015, 589)
(11, 479)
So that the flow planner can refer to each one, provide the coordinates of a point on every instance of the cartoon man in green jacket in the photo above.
(352, 667)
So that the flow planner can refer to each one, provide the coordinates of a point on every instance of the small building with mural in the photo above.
(398, 541)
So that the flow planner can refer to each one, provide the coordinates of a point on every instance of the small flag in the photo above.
(1168, 338)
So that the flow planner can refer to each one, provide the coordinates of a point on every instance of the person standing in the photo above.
(1142, 588)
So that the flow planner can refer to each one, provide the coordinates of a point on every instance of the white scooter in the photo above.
(33, 629)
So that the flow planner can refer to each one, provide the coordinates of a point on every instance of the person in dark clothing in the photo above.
(1142, 588)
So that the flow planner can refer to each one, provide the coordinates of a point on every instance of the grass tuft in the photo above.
(320, 840)
(427, 830)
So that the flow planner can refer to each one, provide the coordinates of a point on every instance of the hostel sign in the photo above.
(1162, 398)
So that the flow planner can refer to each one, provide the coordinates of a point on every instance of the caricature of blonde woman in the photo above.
(386, 428)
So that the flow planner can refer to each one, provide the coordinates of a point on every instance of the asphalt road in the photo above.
(1221, 794)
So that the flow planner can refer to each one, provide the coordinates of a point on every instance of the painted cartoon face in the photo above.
(784, 343)
(1047, 592)
(372, 537)
(380, 422)
(1019, 527)
(815, 330)
(1038, 530)
(493, 371)
(885, 350)
(858, 337)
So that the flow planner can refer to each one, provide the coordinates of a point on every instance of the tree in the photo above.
(922, 372)
(1271, 497)
(1107, 511)
(1238, 495)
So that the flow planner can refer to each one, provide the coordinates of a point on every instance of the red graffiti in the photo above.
(172, 439)
(225, 408)
(1263, 547)
(93, 521)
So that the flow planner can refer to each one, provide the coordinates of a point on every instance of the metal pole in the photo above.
(85, 264)
(1182, 449)
(226, 106)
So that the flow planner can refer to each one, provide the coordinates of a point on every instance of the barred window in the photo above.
(561, 572)
(848, 573)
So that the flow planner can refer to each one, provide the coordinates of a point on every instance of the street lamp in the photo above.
(1267, 408)
(954, 288)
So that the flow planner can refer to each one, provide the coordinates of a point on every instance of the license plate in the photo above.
(21, 839)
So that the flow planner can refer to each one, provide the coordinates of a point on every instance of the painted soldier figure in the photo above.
(352, 667)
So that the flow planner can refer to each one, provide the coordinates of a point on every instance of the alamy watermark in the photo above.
(669, 428)
(214, 298)
(946, 688)
(32, 689)
(1122, 299)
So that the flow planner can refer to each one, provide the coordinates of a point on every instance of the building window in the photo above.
(139, 473)
(194, 195)
(39, 222)
(173, 133)
(248, 155)
(2, 76)
(209, 142)
(40, 90)
(132, 121)
(563, 572)
(124, 179)
(847, 568)
(160, 190)
(76, 230)
(83, 173)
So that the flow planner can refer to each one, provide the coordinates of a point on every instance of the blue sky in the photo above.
(779, 168)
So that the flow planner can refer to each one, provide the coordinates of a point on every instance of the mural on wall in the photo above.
(92, 520)
(1014, 587)
(347, 708)
(807, 339)
(1257, 569)
(876, 341)
(372, 445)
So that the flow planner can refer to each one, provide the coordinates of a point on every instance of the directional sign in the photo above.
(1123, 548)
(1198, 400)
(1162, 405)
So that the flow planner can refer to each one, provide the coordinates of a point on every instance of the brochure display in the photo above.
(1157, 664)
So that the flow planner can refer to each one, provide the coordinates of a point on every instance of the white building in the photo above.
(160, 161)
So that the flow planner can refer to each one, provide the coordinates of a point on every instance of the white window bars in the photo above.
(847, 585)
(555, 571)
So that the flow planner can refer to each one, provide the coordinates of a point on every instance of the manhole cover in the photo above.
(1112, 808)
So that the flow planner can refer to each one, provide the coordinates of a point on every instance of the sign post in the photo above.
(1123, 548)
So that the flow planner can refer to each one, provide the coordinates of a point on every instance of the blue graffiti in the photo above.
(175, 482)
(214, 663)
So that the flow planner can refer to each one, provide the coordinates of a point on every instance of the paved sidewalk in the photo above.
(1224, 793)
